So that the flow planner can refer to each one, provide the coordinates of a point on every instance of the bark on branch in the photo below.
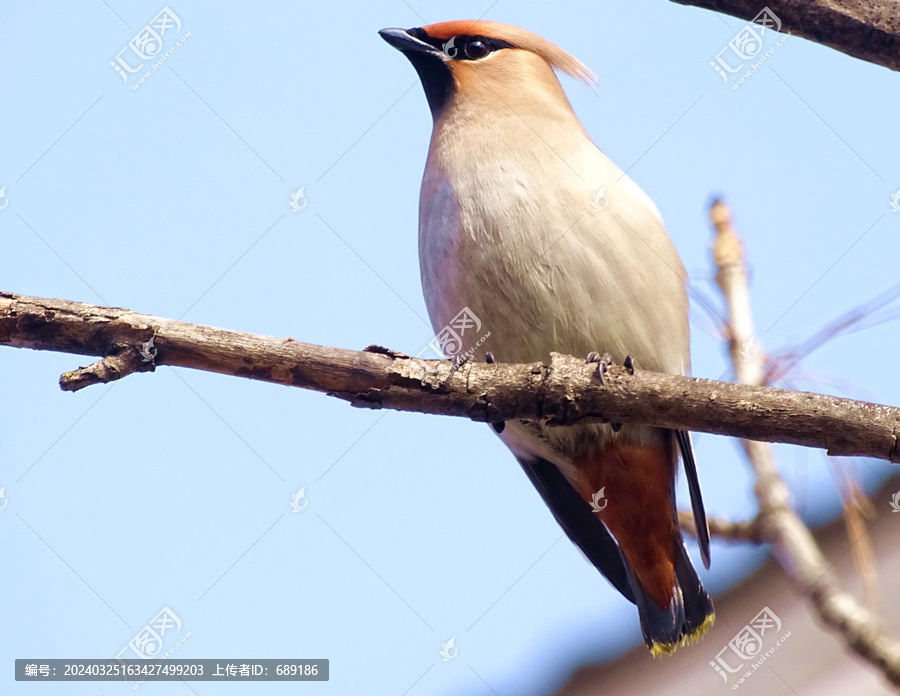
(865, 29)
(562, 391)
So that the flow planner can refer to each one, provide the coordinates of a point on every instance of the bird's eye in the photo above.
(476, 49)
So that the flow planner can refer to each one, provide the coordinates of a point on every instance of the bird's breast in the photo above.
(512, 233)
(545, 267)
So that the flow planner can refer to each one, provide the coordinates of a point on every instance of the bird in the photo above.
(527, 225)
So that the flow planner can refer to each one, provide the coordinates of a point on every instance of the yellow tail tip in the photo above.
(660, 649)
(701, 631)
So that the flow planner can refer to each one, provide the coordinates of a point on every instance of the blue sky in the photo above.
(173, 489)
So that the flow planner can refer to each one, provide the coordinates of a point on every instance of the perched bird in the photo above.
(527, 225)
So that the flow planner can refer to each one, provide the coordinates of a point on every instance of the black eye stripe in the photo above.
(475, 47)
(456, 47)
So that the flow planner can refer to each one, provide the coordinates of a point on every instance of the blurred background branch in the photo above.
(793, 544)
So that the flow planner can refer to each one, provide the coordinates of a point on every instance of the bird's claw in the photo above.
(498, 426)
(603, 362)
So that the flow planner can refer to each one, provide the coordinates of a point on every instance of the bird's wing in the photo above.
(579, 523)
(693, 481)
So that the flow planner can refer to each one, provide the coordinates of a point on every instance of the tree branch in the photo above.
(865, 29)
(560, 392)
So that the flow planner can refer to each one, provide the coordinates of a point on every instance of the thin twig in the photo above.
(793, 543)
(732, 531)
(116, 366)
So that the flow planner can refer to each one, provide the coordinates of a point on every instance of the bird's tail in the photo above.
(690, 613)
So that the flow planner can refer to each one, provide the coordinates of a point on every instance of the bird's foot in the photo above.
(498, 426)
(603, 362)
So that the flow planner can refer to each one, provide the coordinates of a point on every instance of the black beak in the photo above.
(403, 40)
(430, 63)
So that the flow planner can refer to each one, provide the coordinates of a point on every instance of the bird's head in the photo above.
(474, 59)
